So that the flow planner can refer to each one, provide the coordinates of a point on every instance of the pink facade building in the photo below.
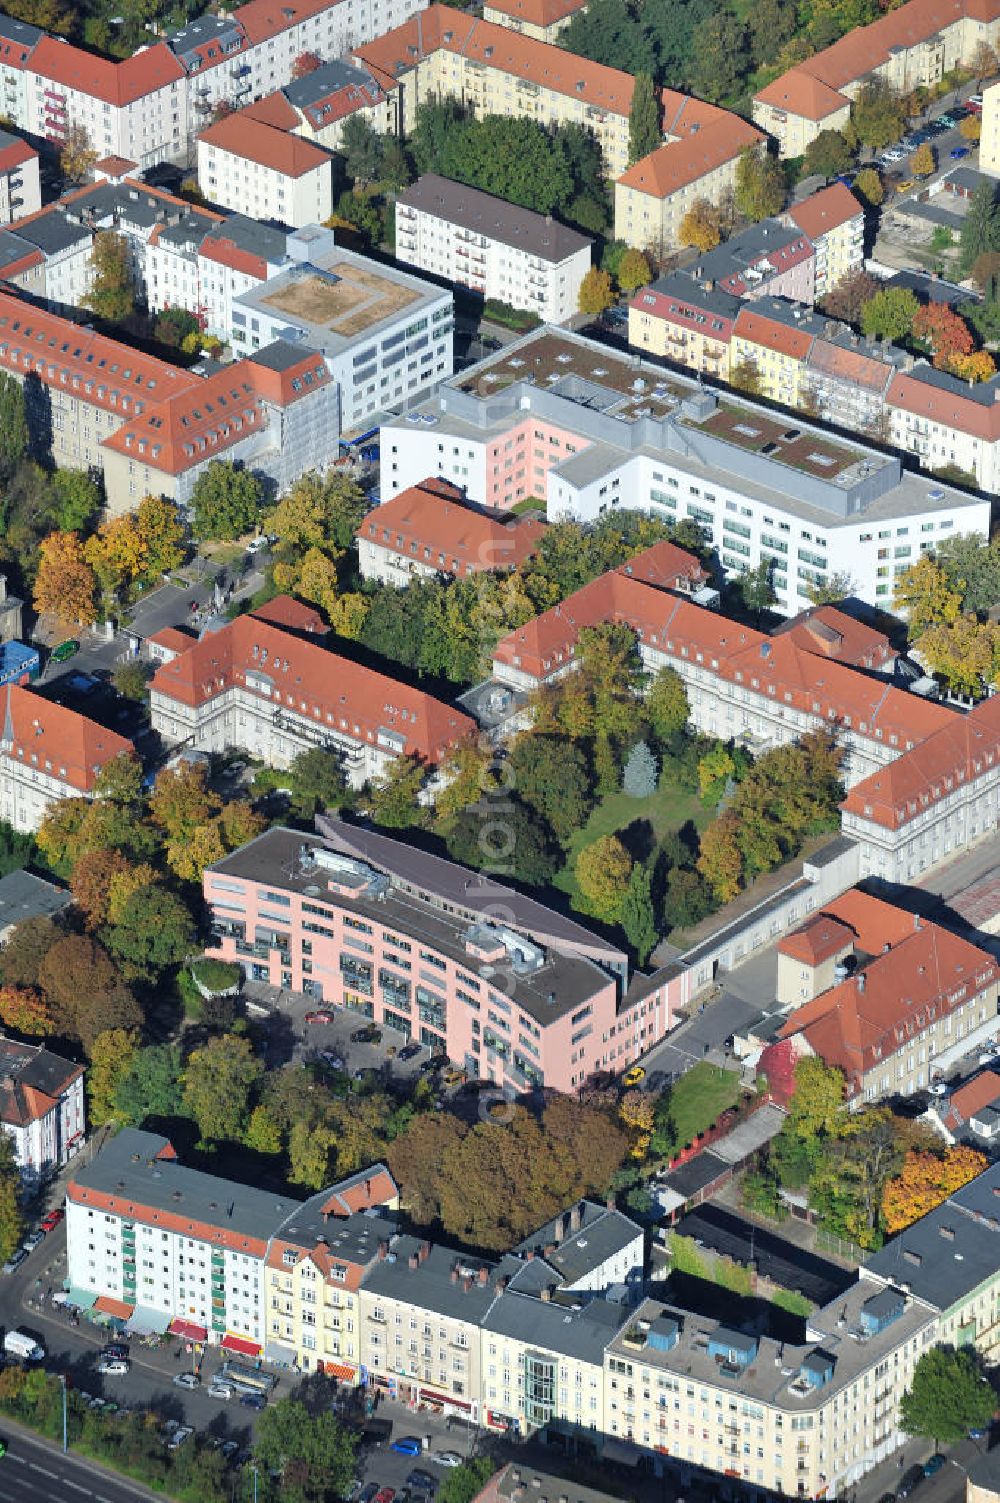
(511, 990)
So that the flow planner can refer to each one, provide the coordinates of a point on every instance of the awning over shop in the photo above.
(281, 1356)
(189, 1329)
(116, 1308)
(339, 1370)
(83, 1299)
(148, 1322)
(241, 1344)
(428, 1396)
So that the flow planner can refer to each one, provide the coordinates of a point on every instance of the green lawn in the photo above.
(699, 1097)
(667, 809)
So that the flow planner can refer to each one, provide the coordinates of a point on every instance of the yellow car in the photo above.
(904, 187)
(632, 1077)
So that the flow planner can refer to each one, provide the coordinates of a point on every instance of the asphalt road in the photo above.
(33, 1470)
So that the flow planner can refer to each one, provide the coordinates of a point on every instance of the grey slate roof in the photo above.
(601, 1234)
(19, 32)
(537, 234)
(250, 235)
(30, 1066)
(431, 1285)
(685, 289)
(949, 1252)
(328, 79)
(279, 355)
(581, 1330)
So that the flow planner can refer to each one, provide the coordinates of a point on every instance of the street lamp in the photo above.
(254, 1470)
(62, 1379)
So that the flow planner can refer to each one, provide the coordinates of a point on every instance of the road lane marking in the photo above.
(75, 1486)
(44, 1470)
(19, 1459)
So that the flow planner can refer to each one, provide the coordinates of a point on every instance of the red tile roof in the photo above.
(961, 750)
(949, 405)
(115, 167)
(363, 1193)
(15, 155)
(431, 524)
(292, 614)
(772, 334)
(167, 1221)
(67, 746)
(818, 940)
(852, 365)
(214, 413)
(174, 638)
(822, 212)
(829, 633)
(810, 89)
(261, 19)
(537, 12)
(665, 566)
(307, 679)
(970, 1098)
(251, 139)
(114, 83)
(226, 252)
(919, 973)
(273, 109)
(704, 143)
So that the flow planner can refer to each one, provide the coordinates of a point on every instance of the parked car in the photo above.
(180, 1435)
(114, 1349)
(52, 1219)
(65, 650)
(423, 1480)
(933, 1464)
(253, 1401)
(975, 103)
(186, 1380)
(452, 1077)
(407, 1445)
(34, 1239)
(385, 1495)
(410, 1051)
(15, 1260)
(632, 1077)
(113, 1367)
(958, 152)
(909, 1480)
(447, 1458)
(369, 1035)
(318, 1015)
(219, 1390)
(331, 1058)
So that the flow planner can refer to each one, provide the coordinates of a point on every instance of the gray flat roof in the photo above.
(538, 234)
(949, 1252)
(563, 981)
(127, 1167)
(582, 1329)
(280, 355)
(24, 896)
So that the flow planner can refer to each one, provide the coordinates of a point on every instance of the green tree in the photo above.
(980, 232)
(463, 1483)
(760, 185)
(77, 498)
(889, 314)
(828, 154)
(11, 1220)
(720, 57)
(756, 587)
(552, 777)
(150, 1088)
(637, 917)
(131, 679)
(317, 781)
(395, 794)
(877, 114)
(111, 293)
(263, 1132)
(360, 147)
(603, 872)
(644, 133)
(667, 704)
(505, 836)
(225, 501)
(949, 1396)
(312, 1455)
(972, 566)
(110, 1058)
(633, 271)
(817, 1104)
(156, 930)
(218, 1081)
(13, 424)
(321, 511)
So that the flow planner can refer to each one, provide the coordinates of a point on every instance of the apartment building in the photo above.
(541, 19)
(429, 531)
(209, 1259)
(20, 188)
(940, 798)
(317, 105)
(947, 422)
(47, 753)
(947, 1261)
(570, 421)
(41, 1109)
(989, 140)
(265, 173)
(834, 222)
(907, 998)
(698, 160)
(272, 693)
(492, 247)
(804, 1418)
(914, 46)
(762, 691)
(413, 942)
(148, 107)
(772, 341)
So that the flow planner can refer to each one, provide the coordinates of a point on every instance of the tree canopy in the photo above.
(949, 1396)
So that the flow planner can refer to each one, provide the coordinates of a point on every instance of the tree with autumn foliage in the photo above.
(947, 336)
(306, 62)
(979, 366)
(77, 155)
(964, 653)
(701, 226)
(925, 596)
(595, 291)
(26, 1010)
(719, 859)
(65, 583)
(925, 1181)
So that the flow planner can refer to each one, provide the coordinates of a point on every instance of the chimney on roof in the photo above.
(454, 1274)
(466, 1284)
(550, 1248)
(500, 1285)
(425, 1251)
(917, 922)
(484, 1275)
(413, 1260)
(545, 1294)
(559, 1229)
(576, 1217)
(529, 1256)
(861, 981)
(383, 1251)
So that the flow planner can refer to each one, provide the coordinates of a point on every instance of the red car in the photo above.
(320, 1015)
(51, 1221)
(385, 1495)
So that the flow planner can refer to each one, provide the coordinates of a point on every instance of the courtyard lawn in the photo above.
(698, 1099)
(667, 809)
